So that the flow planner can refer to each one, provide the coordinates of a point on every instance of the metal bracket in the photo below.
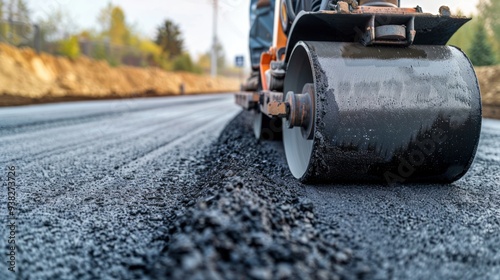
(248, 100)
(273, 105)
(277, 77)
(393, 34)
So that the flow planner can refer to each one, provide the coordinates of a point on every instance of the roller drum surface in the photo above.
(397, 115)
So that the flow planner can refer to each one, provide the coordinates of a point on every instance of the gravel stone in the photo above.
(254, 225)
(173, 201)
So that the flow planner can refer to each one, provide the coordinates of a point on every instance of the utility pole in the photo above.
(11, 22)
(214, 42)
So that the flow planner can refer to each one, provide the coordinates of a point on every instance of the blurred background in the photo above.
(177, 35)
(172, 35)
(61, 48)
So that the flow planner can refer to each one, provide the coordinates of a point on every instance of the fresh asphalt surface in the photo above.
(178, 188)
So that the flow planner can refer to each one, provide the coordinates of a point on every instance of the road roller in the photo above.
(367, 91)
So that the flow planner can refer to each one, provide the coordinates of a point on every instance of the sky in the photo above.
(194, 18)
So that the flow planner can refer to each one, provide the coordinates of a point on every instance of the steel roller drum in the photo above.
(384, 114)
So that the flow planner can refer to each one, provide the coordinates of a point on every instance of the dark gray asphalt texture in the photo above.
(179, 188)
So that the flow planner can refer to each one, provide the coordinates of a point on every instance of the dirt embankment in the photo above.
(26, 77)
(489, 80)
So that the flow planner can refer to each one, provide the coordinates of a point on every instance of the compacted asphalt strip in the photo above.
(178, 187)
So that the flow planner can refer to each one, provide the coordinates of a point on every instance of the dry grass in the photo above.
(25, 74)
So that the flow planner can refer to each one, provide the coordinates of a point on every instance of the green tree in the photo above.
(56, 25)
(118, 31)
(104, 18)
(22, 12)
(184, 62)
(3, 24)
(19, 32)
(154, 54)
(169, 38)
(489, 11)
(51, 27)
(70, 47)
(481, 53)
(116, 38)
(113, 25)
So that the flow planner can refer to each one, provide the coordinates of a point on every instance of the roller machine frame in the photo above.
(367, 91)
